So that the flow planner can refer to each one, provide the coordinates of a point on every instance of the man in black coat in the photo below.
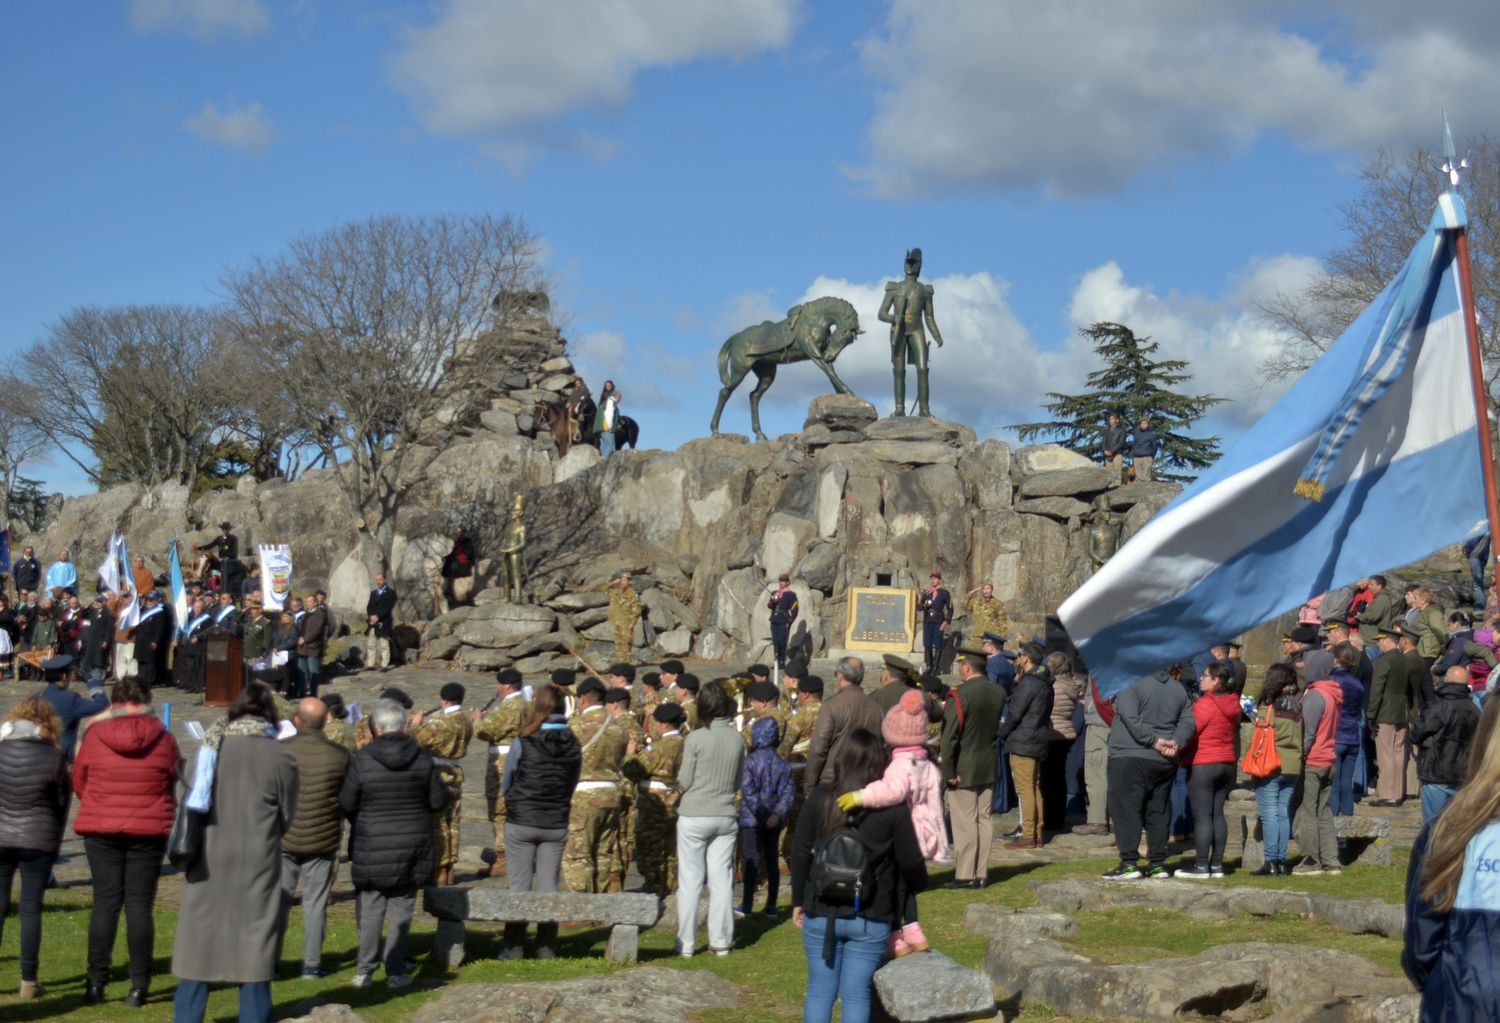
(153, 637)
(26, 572)
(1026, 732)
(380, 610)
(389, 795)
(98, 638)
(1114, 445)
(1143, 447)
(192, 647)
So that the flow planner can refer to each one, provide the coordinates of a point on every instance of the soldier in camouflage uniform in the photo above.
(624, 612)
(795, 744)
(648, 698)
(684, 693)
(594, 816)
(445, 734)
(986, 614)
(617, 706)
(763, 704)
(362, 734)
(655, 768)
(338, 729)
(499, 728)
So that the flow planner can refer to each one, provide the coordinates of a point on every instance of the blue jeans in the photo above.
(1342, 802)
(1476, 576)
(310, 673)
(192, 1001)
(1434, 798)
(859, 949)
(606, 443)
(1274, 797)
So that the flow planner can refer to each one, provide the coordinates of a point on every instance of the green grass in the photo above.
(767, 965)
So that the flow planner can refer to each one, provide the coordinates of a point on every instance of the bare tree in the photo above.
(130, 392)
(1381, 226)
(374, 337)
(20, 442)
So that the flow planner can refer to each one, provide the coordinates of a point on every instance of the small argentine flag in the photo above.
(1371, 460)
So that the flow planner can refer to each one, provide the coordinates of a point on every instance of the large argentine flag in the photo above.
(1371, 460)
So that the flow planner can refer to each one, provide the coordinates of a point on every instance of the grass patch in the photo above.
(767, 964)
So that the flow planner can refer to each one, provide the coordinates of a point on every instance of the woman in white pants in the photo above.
(707, 829)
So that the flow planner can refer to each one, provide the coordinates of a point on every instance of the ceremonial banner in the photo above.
(130, 614)
(1371, 460)
(275, 576)
(109, 569)
(179, 589)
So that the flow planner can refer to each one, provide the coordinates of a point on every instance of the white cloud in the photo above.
(485, 67)
(605, 355)
(1081, 98)
(746, 309)
(247, 127)
(206, 19)
(1224, 340)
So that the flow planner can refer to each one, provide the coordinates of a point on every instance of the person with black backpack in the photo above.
(849, 874)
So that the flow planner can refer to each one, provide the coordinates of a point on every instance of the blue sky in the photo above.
(694, 167)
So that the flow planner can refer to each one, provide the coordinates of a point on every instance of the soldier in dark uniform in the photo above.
(937, 615)
(153, 635)
(226, 547)
(783, 607)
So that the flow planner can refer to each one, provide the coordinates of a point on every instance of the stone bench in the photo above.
(1366, 840)
(491, 902)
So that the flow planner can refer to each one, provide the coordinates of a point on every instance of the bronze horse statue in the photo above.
(815, 331)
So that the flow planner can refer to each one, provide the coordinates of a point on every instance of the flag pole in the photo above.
(1481, 399)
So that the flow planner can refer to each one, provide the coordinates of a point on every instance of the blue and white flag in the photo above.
(130, 614)
(179, 589)
(1370, 460)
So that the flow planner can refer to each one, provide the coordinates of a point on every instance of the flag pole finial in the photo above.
(1452, 165)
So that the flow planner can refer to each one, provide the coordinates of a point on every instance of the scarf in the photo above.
(201, 796)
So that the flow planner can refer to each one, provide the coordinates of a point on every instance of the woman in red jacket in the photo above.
(1212, 759)
(126, 779)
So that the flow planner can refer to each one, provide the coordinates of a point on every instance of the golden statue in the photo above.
(511, 582)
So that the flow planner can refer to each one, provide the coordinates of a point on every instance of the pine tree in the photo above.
(1132, 385)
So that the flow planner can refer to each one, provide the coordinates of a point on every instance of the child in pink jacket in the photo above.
(913, 779)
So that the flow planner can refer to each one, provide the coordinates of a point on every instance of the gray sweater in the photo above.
(710, 771)
(1152, 707)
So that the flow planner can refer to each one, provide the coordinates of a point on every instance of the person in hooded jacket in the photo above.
(33, 807)
(1452, 929)
(1349, 738)
(1320, 722)
(126, 780)
(389, 795)
(1027, 733)
(1443, 734)
(541, 772)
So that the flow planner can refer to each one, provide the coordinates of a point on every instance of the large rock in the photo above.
(674, 643)
(334, 1013)
(492, 901)
(1037, 458)
(496, 626)
(579, 459)
(1061, 508)
(1155, 493)
(921, 428)
(896, 452)
(819, 567)
(840, 412)
(1067, 482)
(985, 468)
(625, 996)
(930, 986)
(784, 540)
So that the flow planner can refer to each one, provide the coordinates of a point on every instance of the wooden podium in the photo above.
(223, 669)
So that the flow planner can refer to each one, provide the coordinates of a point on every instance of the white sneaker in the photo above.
(360, 980)
(398, 980)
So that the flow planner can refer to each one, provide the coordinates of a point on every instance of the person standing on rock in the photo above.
(499, 728)
(624, 612)
(458, 568)
(380, 610)
(654, 766)
(1114, 447)
(594, 816)
(783, 608)
(607, 419)
(446, 735)
(967, 756)
(1143, 447)
(986, 614)
(937, 616)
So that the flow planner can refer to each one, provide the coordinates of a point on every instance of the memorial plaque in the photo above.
(881, 619)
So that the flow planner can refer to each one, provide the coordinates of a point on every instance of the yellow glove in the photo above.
(850, 801)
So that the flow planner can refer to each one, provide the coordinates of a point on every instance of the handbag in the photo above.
(1261, 760)
(186, 840)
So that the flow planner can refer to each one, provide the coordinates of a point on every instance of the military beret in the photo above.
(623, 670)
(995, 638)
(651, 680)
(508, 677)
(617, 696)
(589, 686)
(669, 713)
(810, 684)
(764, 692)
(397, 695)
(564, 677)
(1306, 634)
(688, 682)
(672, 667)
(758, 671)
(453, 692)
(795, 668)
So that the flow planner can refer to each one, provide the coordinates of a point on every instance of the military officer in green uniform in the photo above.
(907, 307)
(654, 766)
(338, 730)
(761, 696)
(986, 614)
(499, 729)
(594, 816)
(684, 693)
(446, 734)
(649, 696)
(796, 742)
(617, 706)
(624, 612)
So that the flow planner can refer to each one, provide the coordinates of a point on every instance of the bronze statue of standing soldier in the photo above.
(908, 309)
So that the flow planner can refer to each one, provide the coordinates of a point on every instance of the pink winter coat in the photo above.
(913, 779)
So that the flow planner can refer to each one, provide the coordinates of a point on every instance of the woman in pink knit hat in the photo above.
(913, 779)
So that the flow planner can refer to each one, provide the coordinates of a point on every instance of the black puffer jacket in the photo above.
(389, 795)
(34, 795)
(1027, 728)
(543, 779)
(1444, 732)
